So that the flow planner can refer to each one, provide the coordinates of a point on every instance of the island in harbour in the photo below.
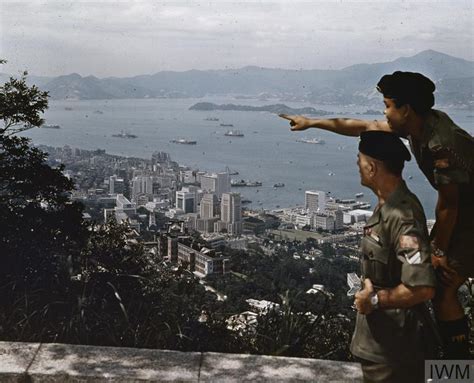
(274, 108)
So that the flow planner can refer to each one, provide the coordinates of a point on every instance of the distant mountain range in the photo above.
(274, 108)
(454, 78)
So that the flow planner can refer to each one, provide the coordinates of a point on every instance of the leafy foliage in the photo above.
(21, 105)
(65, 281)
(301, 326)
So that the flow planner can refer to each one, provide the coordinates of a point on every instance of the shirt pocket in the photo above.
(375, 261)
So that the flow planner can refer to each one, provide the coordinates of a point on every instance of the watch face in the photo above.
(374, 300)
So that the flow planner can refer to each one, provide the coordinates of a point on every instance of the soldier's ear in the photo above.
(372, 168)
(406, 109)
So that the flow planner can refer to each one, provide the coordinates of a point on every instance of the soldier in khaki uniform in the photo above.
(445, 154)
(396, 268)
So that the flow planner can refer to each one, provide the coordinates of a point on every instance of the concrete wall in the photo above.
(35, 362)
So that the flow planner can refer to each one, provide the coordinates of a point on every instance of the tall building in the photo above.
(338, 219)
(116, 185)
(315, 200)
(231, 212)
(209, 206)
(186, 200)
(323, 221)
(142, 185)
(217, 183)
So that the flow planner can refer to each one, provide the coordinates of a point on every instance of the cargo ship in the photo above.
(247, 183)
(184, 141)
(234, 133)
(123, 134)
(311, 141)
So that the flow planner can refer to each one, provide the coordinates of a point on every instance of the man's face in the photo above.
(365, 169)
(395, 116)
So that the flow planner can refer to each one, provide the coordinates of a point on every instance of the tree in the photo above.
(42, 230)
(21, 105)
(62, 280)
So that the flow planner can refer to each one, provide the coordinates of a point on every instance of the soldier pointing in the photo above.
(445, 154)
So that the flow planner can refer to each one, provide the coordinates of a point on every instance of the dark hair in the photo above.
(409, 88)
(420, 106)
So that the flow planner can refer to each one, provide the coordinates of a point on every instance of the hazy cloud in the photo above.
(127, 38)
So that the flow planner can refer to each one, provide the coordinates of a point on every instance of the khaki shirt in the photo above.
(445, 154)
(394, 250)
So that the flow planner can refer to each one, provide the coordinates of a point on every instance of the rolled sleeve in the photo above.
(418, 275)
(450, 176)
(447, 167)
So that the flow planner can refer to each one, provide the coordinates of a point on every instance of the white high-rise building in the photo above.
(315, 200)
(217, 183)
(209, 205)
(186, 200)
(231, 212)
(142, 185)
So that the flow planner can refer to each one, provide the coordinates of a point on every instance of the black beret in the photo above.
(408, 88)
(383, 146)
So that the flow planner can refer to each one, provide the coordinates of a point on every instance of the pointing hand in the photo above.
(296, 122)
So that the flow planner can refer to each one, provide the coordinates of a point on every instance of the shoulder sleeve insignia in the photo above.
(415, 259)
(409, 242)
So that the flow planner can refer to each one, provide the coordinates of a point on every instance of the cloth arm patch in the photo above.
(412, 249)
(448, 167)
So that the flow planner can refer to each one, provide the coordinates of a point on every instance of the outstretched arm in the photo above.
(344, 126)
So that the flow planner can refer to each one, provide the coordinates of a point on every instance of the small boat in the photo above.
(51, 126)
(311, 141)
(279, 185)
(359, 195)
(330, 173)
(184, 141)
(234, 133)
(228, 125)
(211, 119)
(122, 134)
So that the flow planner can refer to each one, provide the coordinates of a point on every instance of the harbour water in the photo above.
(268, 152)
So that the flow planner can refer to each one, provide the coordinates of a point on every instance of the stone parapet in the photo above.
(35, 362)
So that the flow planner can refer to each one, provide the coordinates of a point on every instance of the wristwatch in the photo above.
(435, 250)
(374, 300)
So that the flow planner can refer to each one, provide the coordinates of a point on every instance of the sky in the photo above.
(117, 38)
